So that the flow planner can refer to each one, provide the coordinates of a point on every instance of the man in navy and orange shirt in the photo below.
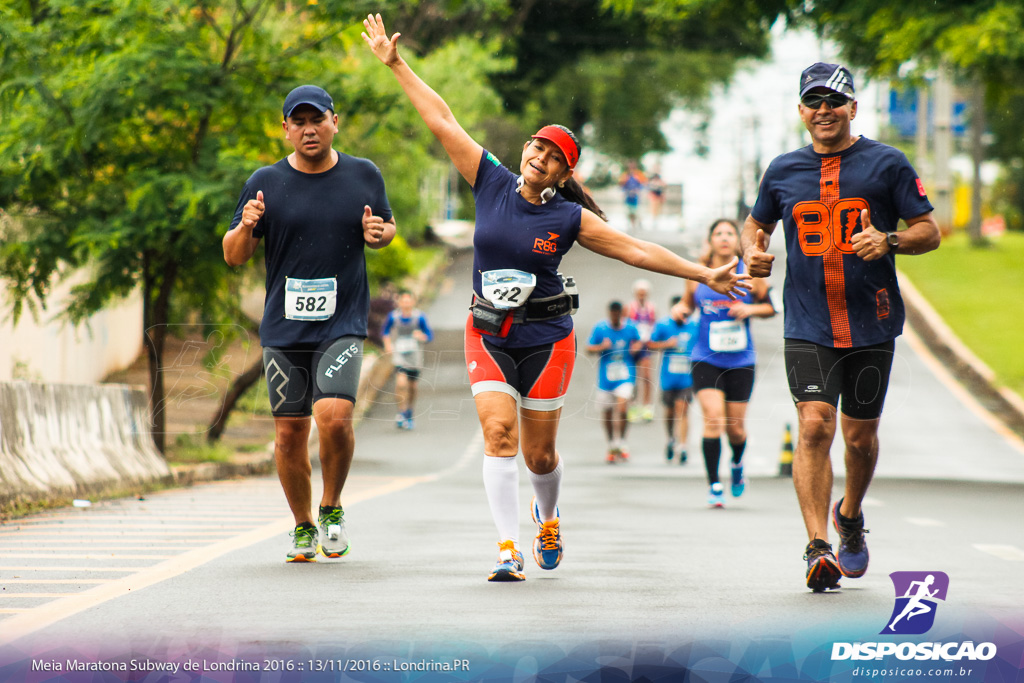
(840, 200)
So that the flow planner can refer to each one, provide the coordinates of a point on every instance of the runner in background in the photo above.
(675, 335)
(633, 181)
(723, 361)
(642, 313)
(405, 332)
(618, 342)
(656, 188)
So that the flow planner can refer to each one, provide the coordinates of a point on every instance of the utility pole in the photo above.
(943, 176)
(921, 163)
(977, 157)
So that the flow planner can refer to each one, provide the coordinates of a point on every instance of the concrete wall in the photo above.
(70, 440)
(50, 351)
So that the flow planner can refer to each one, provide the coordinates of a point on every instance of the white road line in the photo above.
(925, 521)
(870, 502)
(1003, 552)
(32, 620)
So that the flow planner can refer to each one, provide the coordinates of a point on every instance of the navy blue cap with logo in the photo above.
(312, 95)
(835, 77)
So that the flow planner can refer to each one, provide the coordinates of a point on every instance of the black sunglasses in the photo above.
(835, 100)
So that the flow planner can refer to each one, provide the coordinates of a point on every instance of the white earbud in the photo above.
(545, 195)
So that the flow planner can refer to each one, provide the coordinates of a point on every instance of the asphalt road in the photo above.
(200, 572)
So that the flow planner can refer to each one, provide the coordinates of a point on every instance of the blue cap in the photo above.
(307, 94)
(835, 77)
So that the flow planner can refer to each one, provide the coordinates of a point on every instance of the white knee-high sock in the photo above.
(501, 482)
(546, 488)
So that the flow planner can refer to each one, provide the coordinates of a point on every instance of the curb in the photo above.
(971, 371)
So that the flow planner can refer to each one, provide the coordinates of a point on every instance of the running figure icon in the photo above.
(916, 604)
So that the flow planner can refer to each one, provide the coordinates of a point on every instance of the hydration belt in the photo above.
(489, 319)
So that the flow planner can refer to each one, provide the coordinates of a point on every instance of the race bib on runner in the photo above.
(617, 371)
(727, 335)
(310, 299)
(678, 365)
(507, 288)
(405, 345)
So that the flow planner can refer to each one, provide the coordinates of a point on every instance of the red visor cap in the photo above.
(563, 141)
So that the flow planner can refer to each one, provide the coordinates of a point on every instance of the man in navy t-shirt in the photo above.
(840, 200)
(317, 209)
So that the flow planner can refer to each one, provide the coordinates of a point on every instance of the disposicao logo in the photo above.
(917, 598)
(917, 594)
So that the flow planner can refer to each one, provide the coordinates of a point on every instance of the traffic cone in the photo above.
(786, 457)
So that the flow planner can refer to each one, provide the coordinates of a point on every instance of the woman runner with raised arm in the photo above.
(520, 345)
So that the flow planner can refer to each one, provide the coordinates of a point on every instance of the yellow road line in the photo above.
(16, 568)
(129, 543)
(31, 528)
(26, 538)
(94, 517)
(7, 581)
(15, 610)
(20, 625)
(43, 555)
(126, 532)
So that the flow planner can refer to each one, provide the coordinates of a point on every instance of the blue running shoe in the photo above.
(822, 569)
(739, 484)
(510, 564)
(670, 451)
(716, 496)
(853, 550)
(547, 547)
(400, 420)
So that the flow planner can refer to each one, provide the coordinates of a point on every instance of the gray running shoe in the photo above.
(333, 539)
(304, 544)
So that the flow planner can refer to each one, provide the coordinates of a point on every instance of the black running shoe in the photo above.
(822, 569)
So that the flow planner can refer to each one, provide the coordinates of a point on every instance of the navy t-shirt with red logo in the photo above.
(514, 233)
(833, 297)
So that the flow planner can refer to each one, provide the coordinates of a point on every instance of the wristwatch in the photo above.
(893, 238)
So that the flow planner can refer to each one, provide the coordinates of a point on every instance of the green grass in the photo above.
(422, 257)
(193, 448)
(979, 292)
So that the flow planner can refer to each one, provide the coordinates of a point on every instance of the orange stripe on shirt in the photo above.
(835, 282)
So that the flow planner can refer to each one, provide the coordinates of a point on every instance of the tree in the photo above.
(982, 40)
(130, 128)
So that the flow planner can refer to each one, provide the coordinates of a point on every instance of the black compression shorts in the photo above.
(858, 376)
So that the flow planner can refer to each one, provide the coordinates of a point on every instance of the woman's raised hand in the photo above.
(377, 38)
(725, 280)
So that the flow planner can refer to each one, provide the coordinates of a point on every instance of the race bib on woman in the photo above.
(508, 287)
(310, 299)
(727, 335)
